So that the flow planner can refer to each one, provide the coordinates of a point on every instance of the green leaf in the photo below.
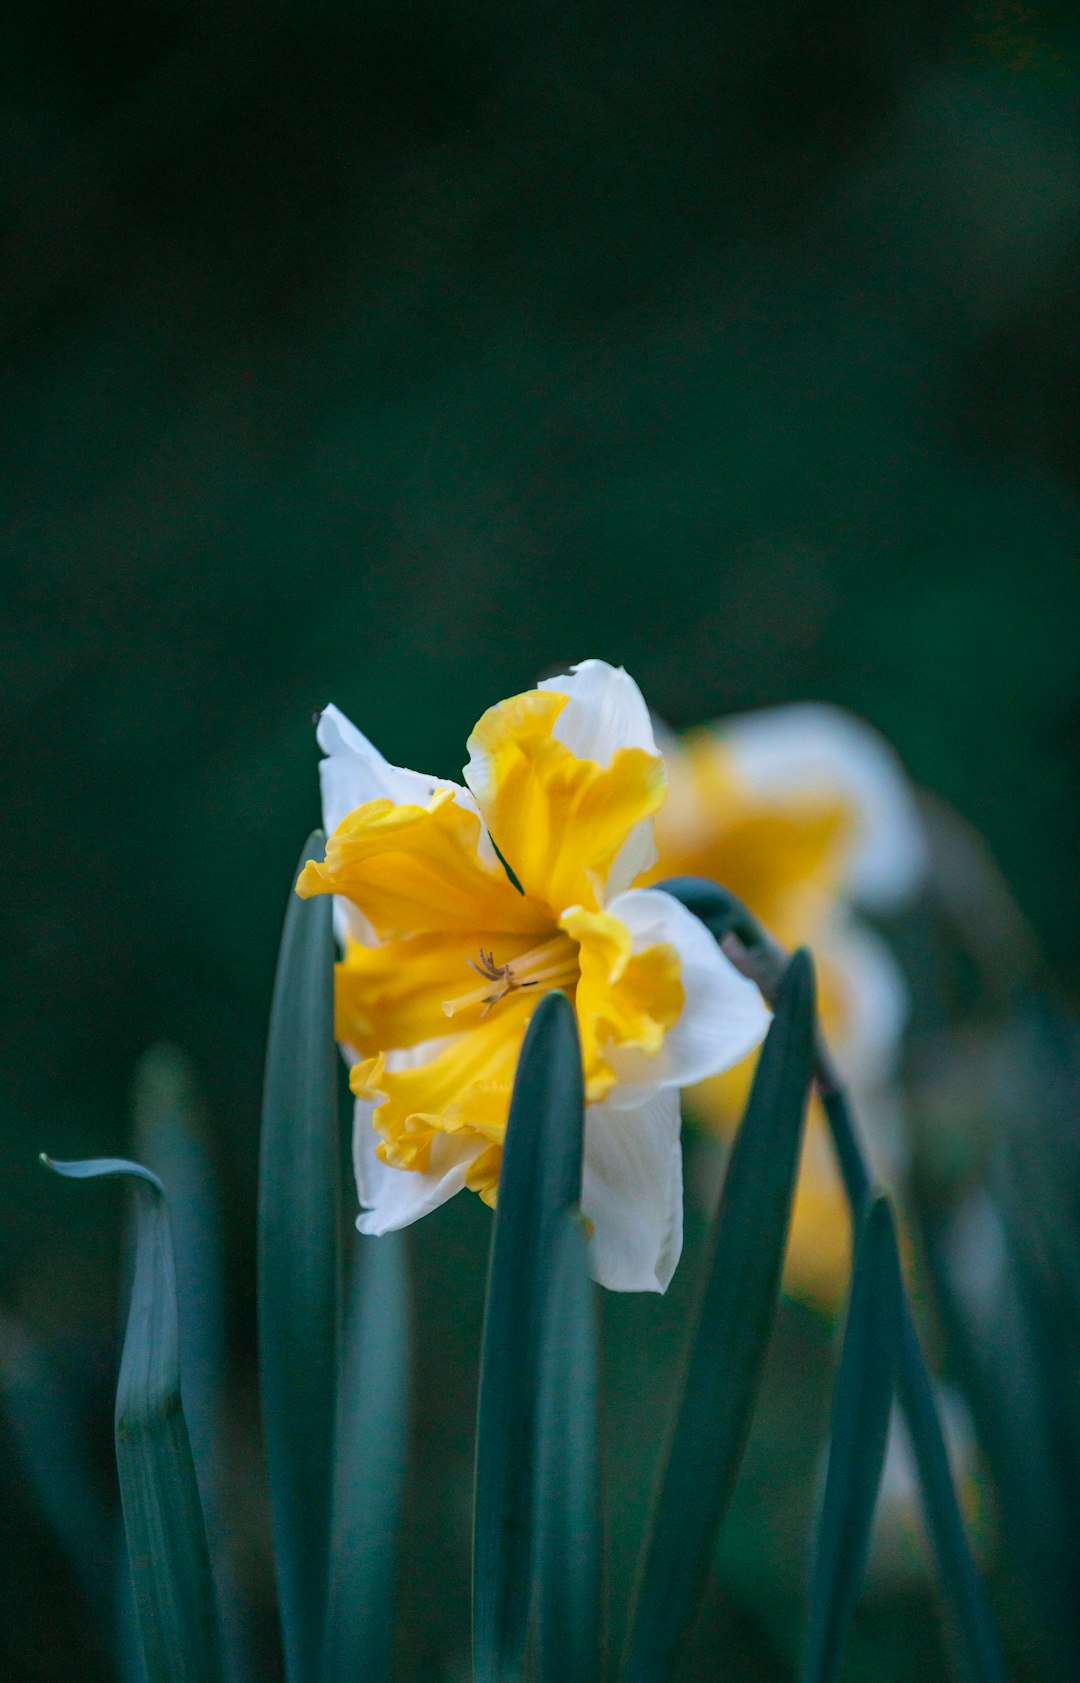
(568, 1525)
(370, 1465)
(862, 1403)
(163, 1520)
(967, 1609)
(969, 1621)
(971, 1627)
(172, 1139)
(727, 1348)
(540, 1178)
(299, 1262)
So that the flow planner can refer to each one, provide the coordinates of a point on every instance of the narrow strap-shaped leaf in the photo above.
(568, 1514)
(862, 1402)
(299, 1280)
(975, 1641)
(163, 1519)
(970, 1623)
(971, 1628)
(370, 1465)
(727, 1348)
(171, 1138)
(127, 1643)
(539, 1179)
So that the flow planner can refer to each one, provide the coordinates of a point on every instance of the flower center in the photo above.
(553, 964)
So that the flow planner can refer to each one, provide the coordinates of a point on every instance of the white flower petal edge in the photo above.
(876, 1001)
(813, 746)
(392, 1198)
(722, 1019)
(632, 1193)
(605, 711)
(354, 772)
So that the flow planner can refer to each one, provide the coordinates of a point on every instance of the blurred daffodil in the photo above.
(459, 907)
(806, 814)
(900, 1553)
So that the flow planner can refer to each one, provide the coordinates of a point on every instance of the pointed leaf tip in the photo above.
(540, 1178)
(100, 1168)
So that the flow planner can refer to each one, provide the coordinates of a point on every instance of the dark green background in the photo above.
(391, 354)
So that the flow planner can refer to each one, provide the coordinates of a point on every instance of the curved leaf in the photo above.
(299, 1278)
(163, 1519)
(568, 1516)
(540, 1178)
(727, 1349)
(172, 1139)
(862, 1402)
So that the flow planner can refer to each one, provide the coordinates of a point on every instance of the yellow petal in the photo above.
(624, 999)
(558, 820)
(414, 869)
(818, 1256)
(464, 1087)
(401, 993)
(784, 857)
(483, 1174)
(818, 1260)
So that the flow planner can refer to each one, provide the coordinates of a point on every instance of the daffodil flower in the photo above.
(807, 815)
(459, 907)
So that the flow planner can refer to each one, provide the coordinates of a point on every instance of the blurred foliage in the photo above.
(391, 354)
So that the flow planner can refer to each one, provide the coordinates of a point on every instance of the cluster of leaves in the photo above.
(334, 1378)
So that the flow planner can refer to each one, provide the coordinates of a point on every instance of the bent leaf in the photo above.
(163, 1519)
(727, 1349)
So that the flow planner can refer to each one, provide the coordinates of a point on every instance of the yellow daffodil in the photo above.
(806, 814)
(459, 907)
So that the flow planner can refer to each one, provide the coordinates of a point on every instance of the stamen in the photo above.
(553, 963)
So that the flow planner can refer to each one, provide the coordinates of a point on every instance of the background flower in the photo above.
(806, 814)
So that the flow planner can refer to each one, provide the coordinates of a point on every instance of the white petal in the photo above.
(392, 1198)
(876, 1001)
(605, 711)
(898, 1548)
(354, 772)
(812, 748)
(636, 856)
(723, 1017)
(632, 1193)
